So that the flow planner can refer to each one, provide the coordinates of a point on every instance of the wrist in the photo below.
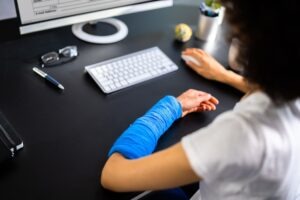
(176, 106)
(235, 80)
(228, 76)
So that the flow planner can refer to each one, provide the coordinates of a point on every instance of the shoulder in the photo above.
(228, 146)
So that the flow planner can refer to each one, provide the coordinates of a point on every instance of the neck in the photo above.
(252, 89)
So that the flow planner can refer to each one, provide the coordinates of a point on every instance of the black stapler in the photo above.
(10, 141)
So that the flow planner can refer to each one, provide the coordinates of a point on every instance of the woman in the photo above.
(251, 152)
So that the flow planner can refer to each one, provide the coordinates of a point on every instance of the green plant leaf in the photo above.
(209, 2)
(214, 4)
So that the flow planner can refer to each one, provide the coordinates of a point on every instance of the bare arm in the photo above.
(165, 169)
(213, 70)
(235, 80)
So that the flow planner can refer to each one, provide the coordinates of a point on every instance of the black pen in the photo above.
(48, 78)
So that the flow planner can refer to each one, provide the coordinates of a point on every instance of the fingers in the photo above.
(196, 53)
(194, 67)
(199, 51)
(209, 105)
(194, 50)
(206, 107)
(203, 108)
(203, 96)
(193, 56)
(195, 101)
(214, 100)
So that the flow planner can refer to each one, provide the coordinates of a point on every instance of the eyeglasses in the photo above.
(63, 55)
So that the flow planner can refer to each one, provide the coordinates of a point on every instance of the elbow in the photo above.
(113, 177)
(107, 180)
(103, 180)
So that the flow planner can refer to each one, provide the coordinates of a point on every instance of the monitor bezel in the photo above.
(91, 16)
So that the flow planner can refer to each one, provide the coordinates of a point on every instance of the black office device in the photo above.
(10, 142)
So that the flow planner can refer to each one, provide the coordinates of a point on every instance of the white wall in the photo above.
(7, 9)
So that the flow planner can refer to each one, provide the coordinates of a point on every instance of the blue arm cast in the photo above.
(140, 138)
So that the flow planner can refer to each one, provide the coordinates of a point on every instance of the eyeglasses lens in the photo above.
(63, 55)
(69, 51)
(50, 58)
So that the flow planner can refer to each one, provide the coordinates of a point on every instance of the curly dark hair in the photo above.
(269, 34)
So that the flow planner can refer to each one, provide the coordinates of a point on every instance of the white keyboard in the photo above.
(128, 70)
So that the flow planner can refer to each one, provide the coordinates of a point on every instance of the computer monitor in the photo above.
(38, 15)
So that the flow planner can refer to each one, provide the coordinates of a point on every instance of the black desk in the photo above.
(67, 134)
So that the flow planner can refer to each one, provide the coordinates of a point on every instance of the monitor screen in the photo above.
(37, 15)
(40, 10)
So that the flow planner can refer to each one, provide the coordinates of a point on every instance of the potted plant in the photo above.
(211, 16)
(210, 8)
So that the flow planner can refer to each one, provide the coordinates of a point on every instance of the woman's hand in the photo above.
(210, 68)
(213, 70)
(196, 101)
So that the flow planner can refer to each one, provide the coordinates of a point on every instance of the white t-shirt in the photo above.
(249, 153)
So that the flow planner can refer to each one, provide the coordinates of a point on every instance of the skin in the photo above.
(213, 70)
(170, 168)
(164, 169)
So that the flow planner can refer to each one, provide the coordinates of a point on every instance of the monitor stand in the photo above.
(122, 32)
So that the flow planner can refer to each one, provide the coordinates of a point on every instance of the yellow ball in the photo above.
(183, 32)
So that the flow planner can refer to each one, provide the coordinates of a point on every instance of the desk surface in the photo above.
(67, 134)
